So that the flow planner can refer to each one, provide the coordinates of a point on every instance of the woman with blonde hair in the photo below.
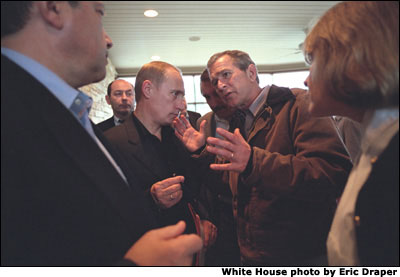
(354, 55)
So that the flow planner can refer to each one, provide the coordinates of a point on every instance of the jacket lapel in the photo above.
(264, 120)
(144, 160)
(261, 122)
(74, 142)
(86, 154)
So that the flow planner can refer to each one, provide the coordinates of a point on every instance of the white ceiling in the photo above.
(270, 31)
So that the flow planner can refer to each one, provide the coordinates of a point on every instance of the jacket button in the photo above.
(374, 159)
(357, 220)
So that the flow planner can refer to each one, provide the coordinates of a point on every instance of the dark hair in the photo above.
(240, 59)
(205, 77)
(15, 14)
(109, 88)
(154, 72)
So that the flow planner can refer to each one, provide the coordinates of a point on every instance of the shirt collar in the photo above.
(58, 87)
(259, 102)
(218, 119)
(378, 127)
(116, 120)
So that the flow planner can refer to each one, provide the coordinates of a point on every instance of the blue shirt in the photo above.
(59, 88)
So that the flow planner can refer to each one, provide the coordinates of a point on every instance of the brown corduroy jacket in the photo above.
(285, 201)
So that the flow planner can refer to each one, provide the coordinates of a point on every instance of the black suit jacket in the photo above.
(377, 207)
(62, 202)
(127, 141)
(106, 124)
(193, 117)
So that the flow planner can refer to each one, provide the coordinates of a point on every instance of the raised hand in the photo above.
(234, 149)
(190, 137)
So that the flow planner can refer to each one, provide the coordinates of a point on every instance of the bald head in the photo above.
(121, 96)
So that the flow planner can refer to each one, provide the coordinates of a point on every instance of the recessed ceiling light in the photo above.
(151, 13)
(194, 38)
(155, 58)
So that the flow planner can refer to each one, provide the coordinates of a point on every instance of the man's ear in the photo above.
(53, 12)
(147, 89)
(252, 72)
(108, 100)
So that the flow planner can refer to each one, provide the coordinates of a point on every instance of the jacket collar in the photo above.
(274, 102)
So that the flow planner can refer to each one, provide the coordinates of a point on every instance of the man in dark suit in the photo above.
(66, 198)
(153, 153)
(121, 97)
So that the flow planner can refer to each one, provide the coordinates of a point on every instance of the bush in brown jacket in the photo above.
(285, 204)
(285, 176)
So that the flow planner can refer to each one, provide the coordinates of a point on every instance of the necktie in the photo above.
(80, 108)
(238, 121)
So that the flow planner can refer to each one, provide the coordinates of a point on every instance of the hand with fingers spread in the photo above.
(190, 137)
(168, 192)
(234, 149)
(165, 247)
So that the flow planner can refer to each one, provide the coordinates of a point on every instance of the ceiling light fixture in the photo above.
(194, 38)
(151, 13)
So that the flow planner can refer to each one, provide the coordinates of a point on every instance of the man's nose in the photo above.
(306, 81)
(108, 40)
(181, 104)
(220, 85)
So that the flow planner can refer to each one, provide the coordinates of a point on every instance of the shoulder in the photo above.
(124, 133)
(106, 124)
(115, 133)
(207, 117)
(194, 114)
(193, 117)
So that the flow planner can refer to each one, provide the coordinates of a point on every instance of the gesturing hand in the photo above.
(190, 137)
(168, 192)
(165, 247)
(234, 149)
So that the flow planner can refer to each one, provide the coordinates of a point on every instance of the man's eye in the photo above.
(178, 94)
(226, 74)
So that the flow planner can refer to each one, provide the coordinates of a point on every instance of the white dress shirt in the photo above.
(378, 128)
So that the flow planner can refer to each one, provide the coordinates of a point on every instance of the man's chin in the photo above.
(123, 114)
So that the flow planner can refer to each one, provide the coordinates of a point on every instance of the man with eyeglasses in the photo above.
(121, 97)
